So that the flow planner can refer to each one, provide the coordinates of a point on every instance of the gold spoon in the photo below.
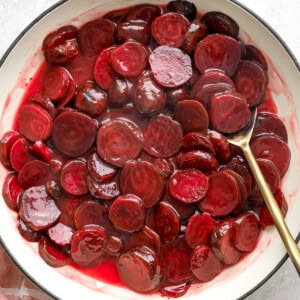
(242, 139)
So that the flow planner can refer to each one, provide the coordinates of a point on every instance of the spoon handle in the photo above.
(273, 208)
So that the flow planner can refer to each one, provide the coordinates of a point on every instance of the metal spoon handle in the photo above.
(273, 208)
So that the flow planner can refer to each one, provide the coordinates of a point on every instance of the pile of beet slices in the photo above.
(119, 152)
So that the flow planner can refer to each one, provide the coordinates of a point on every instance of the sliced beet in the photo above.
(186, 8)
(19, 154)
(145, 12)
(116, 16)
(37, 209)
(119, 141)
(140, 269)
(41, 151)
(205, 265)
(115, 245)
(27, 233)
(129, 59)
(192, 115)
(222, 195)
(171, 67)
(163, 137)
(88, 245)
(188, 186)
(228, 112)
(175, 290)
(70, 93)
(103, 190)
(221, 145)
(141, 178)
(251, 80)
(198, 141)
(11, 190)
(95, 36)
(169, 29)
(35, 122)
(174, 95)
(73, 133)
(217, 51)
(246, 231)
(199, 229)
(250, 52)
(60, 234)
(273, 148)
(163, 166)
(166, 222)
(119, 93)
(73, 177)
(6, 142)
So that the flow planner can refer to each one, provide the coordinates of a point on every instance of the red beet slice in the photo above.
(163, 137)
(37, 209)
(119, 93)
(73, 133)
(61, 234)
(6, 142)
(166, 222)
(205, 265)
(88, 245)
(222, 195)
(140, 269)
(41, 151)
(34, 172)
(199, 229)
(246, 232)
(197, 141)
(52, 254)
(183, 7)
(145, 12)
(129, 59)
(19, 154)
(192, 115)
(228, 112)
(222, 242)
(188, 186)
(11, 190)
(175, 290)
(119, 141)
(73, 177)
(103, 190)
(171, 67)
(27, 233)
(116, 16)
(35, 122)
(221, 145)
(95, 36)
(174, 95)
(273, 148)
(70, 93)
(163, 166)
(170, 29)
(250, 52)
(217, 51)
(115, 245)
(141, 178)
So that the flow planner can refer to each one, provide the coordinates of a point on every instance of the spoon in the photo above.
(242, 139)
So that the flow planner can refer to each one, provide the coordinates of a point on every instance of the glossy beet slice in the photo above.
(6, 142)
(205, 265)
(273, 148)
(129, 59)
(246, 231)
(119, 141)
(119, 93)
(70, 93)
(116, 16)
(140, 269)
(103, 190)
(169, 29)
(228, 112)
(222, 195)
(95, 36)
(11, 190)
(250, 52)
(27, 233)
(37, 209)
(222, 242)
(35, 122)
(175, 290)
(174, 95)
(141, 178)
(186, 8)
(88, 245)
(41, 151)
(197, 141)
(188, 186)
(163, 166)
(115, 246)
(60, 234)
(145, 12)
(199, 229)
(171, 67)
(221, 145)
(217, 51)
(19, 154)
(163, 137)
(73, 133)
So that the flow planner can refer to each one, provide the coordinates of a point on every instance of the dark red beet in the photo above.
(88, 245)
(141, 178)
(250, 52)
(6, 142)
(188, 186)
(217, 51)
(119, 93)
(163, 166)
(145, 12)
(27, 233)
(197, 141)
(35, 123)
(103, 190)
(129, 59)
(199, 229)
(60, 234)
(37, 209)
(11, 191)
(174, 95)
(95, 36)
(19, 154)
(116, 16)
(221, 145)
(171, 67)
(140, 269)
(115, 245)
(205, 265)
(246, 232)
(54, 189)
(73, 133)
(170, 29)
(163, 137)
(183, 7)
(41, 151)
(222, 195)
(175, 290)
(70, 93)
(119, 141)
(192, 115)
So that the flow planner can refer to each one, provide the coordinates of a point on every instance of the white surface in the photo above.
(15, 15)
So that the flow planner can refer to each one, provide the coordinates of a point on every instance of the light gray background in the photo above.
(282, 15)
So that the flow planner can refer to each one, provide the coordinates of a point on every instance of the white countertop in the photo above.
(282, 15)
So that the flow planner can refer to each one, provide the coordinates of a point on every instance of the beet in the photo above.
(250, 52)
(11, 191)
(27, 233)
(175, 290)
(41, 151)
(60, 234)
(103, 190)
(116, 16)
(144, 12)
(119, 93)
(19, 154)
(198, 141)
(221, 145)
(174, 95)
(70, 93)
(6, 142)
